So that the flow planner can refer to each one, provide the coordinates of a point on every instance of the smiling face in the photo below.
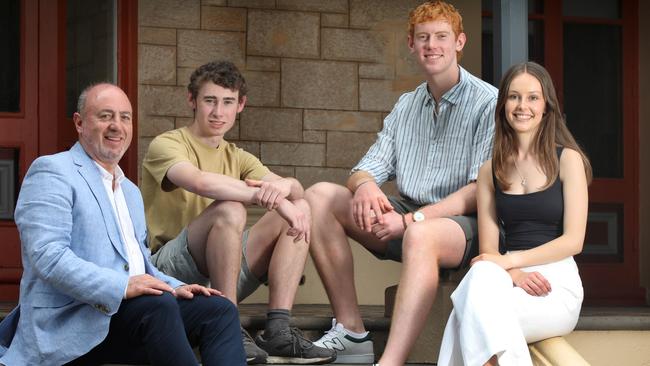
(105, 125)
(215, 109)
(435, 46)
(525, 104)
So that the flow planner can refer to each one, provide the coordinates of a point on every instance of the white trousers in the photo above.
(492, 317)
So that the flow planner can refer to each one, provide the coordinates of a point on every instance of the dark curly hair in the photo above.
(222, 73)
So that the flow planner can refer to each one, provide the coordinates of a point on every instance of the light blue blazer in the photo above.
(75, 264)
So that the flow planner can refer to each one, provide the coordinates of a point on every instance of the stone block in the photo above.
(381, 13)
(271, 124)
(334, 20)
(329, 6)
(405, 64)
(169, 13)
(377, 71)
(379, 95)
(214, 2)
(319, 84)
(283, 33)
(342, 121)
(283, 171)
(278, 153)
(160, 36)
(149, 126)
(262, 63)
(309, 176)
(196, 48)
(252, 147)
(318, 137)
(260, 4)
(233, 133)
(163, 101)
(356, 45)
(263, 88)
(345, 149)
(183, 75)
(222, 18)
(156, 64)
(182, 122)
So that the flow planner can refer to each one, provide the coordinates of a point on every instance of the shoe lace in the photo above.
(331, 334)
(298, 340)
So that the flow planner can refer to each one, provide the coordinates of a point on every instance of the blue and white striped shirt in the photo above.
(434, 152)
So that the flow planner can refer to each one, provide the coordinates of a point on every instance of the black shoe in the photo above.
(289, 346)
(254, 354)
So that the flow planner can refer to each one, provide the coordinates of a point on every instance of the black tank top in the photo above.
(532, 219)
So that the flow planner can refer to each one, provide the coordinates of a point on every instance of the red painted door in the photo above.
(35, 118)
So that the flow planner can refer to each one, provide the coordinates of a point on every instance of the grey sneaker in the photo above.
(289, 346)
(254, 354)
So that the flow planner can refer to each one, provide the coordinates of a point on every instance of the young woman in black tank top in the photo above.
(535, 190)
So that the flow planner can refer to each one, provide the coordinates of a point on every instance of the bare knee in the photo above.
(227, 215)
(419, 243)
(321, 193)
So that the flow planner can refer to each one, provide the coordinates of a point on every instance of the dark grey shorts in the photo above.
(467, 223)
(174, 259)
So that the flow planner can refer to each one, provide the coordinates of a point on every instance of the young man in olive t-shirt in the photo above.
(196, 186)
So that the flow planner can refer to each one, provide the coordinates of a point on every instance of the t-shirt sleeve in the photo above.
(251, 166)
(164, 151)
(483, 138)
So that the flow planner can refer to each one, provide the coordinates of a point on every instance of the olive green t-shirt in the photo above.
(169, 208)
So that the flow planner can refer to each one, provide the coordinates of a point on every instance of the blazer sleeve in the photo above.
(44, 215)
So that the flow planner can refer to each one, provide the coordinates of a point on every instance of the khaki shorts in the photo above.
(174, 259)
(467, 223)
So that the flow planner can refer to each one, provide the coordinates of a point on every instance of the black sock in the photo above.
(276, 320)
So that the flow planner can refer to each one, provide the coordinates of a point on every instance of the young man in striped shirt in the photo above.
(433, 143)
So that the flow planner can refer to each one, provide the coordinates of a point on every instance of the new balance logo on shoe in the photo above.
(334, 344)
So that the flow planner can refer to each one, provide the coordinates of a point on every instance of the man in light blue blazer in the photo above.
(89, 293)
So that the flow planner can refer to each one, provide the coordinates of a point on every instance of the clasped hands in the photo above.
(373, 213)
(534, 283)
(272, 195)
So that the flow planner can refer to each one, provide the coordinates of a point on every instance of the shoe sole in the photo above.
(274, 360)
(255, 360)
(367, 358)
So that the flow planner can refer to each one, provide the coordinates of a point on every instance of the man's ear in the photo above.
(410, 43)
(460, 42)
(76, 118)
(242, 103)
(190, 101)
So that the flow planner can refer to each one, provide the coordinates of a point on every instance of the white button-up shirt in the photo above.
(121, 210)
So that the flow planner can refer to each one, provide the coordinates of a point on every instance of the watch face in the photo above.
(418, 216)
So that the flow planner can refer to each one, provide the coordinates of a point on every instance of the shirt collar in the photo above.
(119, 174)
(452, 95)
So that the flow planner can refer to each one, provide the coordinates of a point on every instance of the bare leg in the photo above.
(427, 246)
(330, 249)
(270, 250)
(214, 241)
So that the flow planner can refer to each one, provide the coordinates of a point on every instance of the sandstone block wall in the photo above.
(322, 75)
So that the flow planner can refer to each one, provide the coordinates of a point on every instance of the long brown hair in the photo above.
(552, 130)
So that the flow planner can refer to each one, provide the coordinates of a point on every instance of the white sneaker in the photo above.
(349, 349)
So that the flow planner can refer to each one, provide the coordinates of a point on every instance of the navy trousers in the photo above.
(161, 330)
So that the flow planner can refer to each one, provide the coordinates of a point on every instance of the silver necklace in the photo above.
(523, 180)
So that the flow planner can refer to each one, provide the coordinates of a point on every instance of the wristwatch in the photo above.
(418, 216)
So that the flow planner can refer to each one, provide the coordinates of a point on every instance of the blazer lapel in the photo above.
(89, 173)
